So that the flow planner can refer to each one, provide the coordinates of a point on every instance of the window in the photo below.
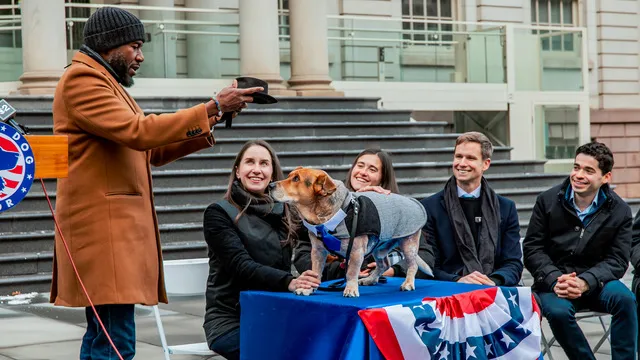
(422, 13)
(10, 18)
(75, 31)
(554, 13)
(283, 17)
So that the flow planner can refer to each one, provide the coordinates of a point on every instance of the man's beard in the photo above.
(119, 64)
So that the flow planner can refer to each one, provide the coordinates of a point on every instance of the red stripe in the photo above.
(16, 170)
(456, 306)
(2, 195)
(10, 183)
(7, 145)
(381, 331)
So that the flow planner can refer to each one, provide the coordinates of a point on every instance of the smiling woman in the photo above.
(250, 240)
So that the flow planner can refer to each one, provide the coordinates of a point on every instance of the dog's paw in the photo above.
(369, 280)
(351, 291)
(305, 292)
(407, 286)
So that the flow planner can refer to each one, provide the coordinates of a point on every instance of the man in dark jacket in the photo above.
(635, 262)
(473, 234)
(577, 248)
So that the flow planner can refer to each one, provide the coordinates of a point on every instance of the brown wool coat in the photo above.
(105, 207)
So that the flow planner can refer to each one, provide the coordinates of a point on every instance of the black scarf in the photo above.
(481, 259)
(258, 205)
(95, 56)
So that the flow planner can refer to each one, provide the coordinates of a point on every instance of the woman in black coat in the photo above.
(250, 240)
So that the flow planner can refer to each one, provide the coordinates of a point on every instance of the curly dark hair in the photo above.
(600, 152)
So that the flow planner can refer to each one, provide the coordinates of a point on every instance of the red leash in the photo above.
(76, 271)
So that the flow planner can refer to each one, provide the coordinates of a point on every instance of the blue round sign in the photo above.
(17, 167)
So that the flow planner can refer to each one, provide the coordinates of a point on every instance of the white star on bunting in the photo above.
(487, 349)
(421, 329)
(512, 298)
(470, 351)
(506, 340)
(444, 353)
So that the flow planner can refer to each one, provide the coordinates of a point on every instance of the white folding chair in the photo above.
(185, 349)
(184, 277)
(580, 315)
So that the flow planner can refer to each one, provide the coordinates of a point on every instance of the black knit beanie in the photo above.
(110, 27)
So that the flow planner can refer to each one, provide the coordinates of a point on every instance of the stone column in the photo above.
(309, 49)
(160, 52)
(44, 46)
(259, 44)
(203, 51)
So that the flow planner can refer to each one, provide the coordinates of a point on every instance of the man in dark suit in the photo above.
(473, 235)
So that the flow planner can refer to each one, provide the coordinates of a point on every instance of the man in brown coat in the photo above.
(105, 207)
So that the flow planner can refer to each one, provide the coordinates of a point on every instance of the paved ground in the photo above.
(39, 331)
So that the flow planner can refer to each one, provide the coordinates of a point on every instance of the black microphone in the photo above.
(7, 113)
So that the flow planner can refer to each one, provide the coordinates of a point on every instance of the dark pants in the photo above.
(120, 325)
(615, 299)
(227, 345)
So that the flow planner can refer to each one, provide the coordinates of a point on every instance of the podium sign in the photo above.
(17, 167)
(19, 154)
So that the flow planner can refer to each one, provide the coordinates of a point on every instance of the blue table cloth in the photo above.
(325, 325)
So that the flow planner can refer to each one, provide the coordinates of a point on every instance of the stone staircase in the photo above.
(320, 132)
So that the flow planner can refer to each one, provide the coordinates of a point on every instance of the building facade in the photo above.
(541, 76)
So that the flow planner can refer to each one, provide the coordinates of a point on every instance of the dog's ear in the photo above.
(324, 185)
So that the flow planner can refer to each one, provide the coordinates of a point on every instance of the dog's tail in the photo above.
(423, 266)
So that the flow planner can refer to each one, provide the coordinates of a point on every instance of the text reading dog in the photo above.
(384, 222)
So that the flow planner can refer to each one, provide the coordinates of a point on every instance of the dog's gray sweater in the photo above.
(400, 216)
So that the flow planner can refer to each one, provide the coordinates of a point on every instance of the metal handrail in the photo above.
(167, 22)
(155, 8)
(196, 32)
(402, 41)
(427, 32)
(456, 22)
(10, 28)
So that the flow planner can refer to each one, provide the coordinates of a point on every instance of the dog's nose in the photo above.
(272, 186)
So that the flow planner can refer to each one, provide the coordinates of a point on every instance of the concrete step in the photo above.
(25, 103)
(42, 240)
(259, 130)
(344, 142)
(27, 272)
(518, 185)
(497, 181)
(205, 160)
(34, 118)
(21, 220)
(197, 178)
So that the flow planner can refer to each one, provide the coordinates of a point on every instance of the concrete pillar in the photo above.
(259, 44)
(44, 45)
(160, 52)
(203, 51)
(309, 49)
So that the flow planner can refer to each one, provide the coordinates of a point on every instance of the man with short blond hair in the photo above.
(473, 234)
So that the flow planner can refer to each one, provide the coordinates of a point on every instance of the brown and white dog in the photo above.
(322, 200)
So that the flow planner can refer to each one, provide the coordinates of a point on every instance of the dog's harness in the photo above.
(340, 284)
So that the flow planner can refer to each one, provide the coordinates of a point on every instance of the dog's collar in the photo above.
(331, 224)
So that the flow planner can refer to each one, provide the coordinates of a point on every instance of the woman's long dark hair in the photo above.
(388, 178)
(291, 219)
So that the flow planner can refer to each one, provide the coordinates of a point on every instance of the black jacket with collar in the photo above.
(241, 261)
(558, 243)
